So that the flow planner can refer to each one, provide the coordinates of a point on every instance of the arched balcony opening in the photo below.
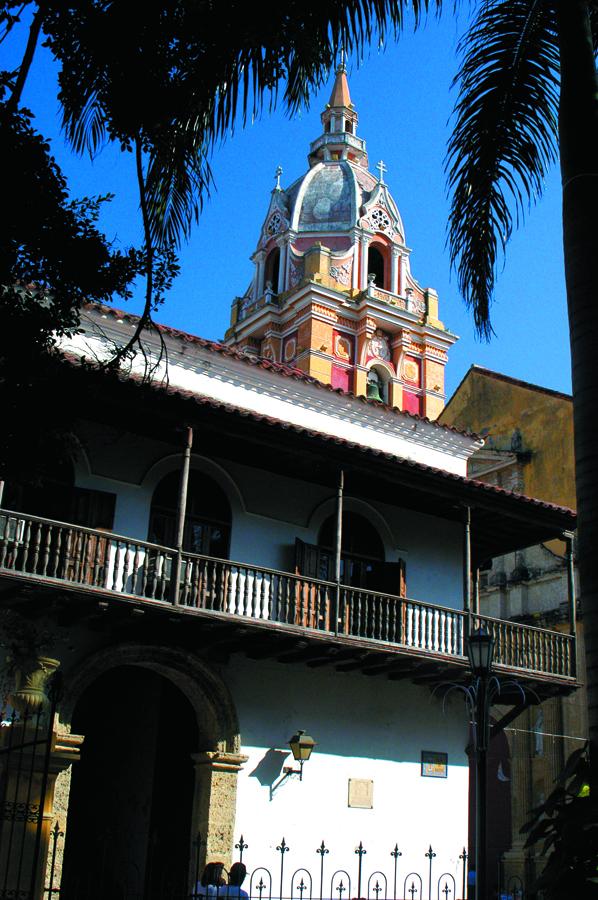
(54, 495)
(272, 270)
(362, 550)
(207, 520)
(378, 266)
(50, 494)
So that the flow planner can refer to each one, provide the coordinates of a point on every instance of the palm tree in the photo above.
(528, 91)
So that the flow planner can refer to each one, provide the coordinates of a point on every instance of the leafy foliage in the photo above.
(52, 255)
(504, 140)
(567, 828)
(178, 73)
(53, 258)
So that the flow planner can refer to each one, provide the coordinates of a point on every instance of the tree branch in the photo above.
(34, 33)
(145, 320)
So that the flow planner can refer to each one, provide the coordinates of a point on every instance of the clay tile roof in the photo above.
(276, 367)
(480, 487)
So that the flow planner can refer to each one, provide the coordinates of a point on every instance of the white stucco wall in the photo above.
(270, 511)
(366, 729)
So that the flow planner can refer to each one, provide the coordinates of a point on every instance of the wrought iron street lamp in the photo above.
(480, 650)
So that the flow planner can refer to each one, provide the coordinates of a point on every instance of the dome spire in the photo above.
(339, 120)
(340, 96)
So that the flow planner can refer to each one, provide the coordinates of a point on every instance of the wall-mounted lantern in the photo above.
(301, 745)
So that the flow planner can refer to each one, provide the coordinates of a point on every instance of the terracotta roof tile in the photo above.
(482, 486)
(277, 368)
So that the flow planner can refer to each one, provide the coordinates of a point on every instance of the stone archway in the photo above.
(216, 758)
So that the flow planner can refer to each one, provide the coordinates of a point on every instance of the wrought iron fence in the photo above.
(326, 878)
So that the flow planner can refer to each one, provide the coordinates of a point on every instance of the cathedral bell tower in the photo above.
(332, 292)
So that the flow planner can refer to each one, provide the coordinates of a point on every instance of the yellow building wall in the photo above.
(496, 408)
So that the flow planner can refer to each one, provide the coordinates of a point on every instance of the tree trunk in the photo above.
(578, 131)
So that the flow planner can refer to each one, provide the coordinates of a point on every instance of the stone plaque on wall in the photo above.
(361, 793)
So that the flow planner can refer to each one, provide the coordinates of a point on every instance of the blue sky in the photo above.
(404, 101)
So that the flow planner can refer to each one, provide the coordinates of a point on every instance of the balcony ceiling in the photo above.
(501, 521)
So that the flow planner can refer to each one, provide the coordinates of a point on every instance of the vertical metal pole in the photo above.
(360, 851)
(175, 583)
(1, 491)
(476, 591)
(338, 547)
(430, 855)
(464, 857)
(482, 734)
(467, 565)
(571, 584)
(571, 596)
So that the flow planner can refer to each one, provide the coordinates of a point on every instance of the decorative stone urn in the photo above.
(31, 677)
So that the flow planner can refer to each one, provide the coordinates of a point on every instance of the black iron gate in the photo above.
(25, 754)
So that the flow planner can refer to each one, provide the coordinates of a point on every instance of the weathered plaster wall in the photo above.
(498, 408)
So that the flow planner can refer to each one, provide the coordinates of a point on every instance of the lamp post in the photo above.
(480, 649)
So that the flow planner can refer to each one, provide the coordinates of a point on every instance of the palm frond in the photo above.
(177, 181)
(504, 141)
(180, 75)
(85, 127)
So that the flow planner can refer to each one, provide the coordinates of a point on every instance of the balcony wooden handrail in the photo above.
(490, 621)
(58, 552)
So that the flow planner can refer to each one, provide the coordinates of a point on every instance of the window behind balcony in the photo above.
(362, 557)
(208, 518)
(53, 495)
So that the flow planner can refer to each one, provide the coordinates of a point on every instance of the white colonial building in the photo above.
(231, 553)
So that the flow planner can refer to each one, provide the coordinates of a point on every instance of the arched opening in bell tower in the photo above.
(272, 270)
(378, 382)
(377, 266)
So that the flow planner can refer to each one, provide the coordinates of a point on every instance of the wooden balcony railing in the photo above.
(56, 552)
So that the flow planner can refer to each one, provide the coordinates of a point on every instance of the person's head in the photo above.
(237, 874)
(212, 874)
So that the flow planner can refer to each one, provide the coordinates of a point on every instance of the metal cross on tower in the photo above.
(381, 166)
(277, 175)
